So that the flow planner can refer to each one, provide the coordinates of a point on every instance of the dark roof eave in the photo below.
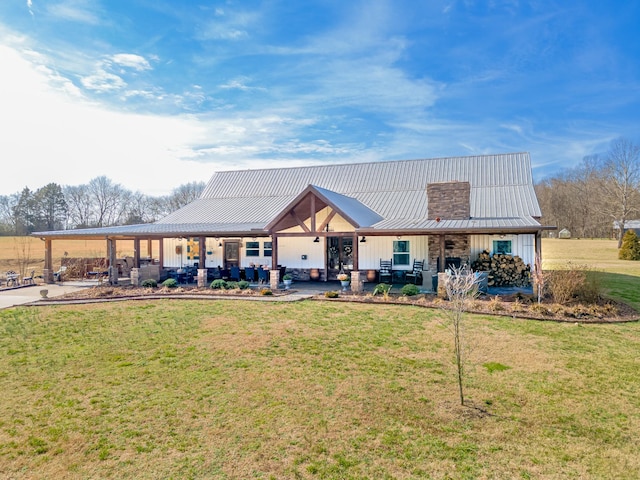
(439, 231)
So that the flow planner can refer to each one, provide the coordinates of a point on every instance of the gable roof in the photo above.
(501, 186)
(373, 196)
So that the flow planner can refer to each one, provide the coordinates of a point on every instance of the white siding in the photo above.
(376, 248)
(522, 245)
(291, 250)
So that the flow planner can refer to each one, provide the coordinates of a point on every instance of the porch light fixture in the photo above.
(316, 240)
(220, 244)
(363, 240)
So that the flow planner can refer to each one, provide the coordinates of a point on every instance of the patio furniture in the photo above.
(263, 275)
(250, 274)
(30, 279)
(12, 279)
(415, 275)
(385, 275)
(234, 274)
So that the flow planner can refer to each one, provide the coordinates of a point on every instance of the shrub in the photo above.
(573, 282)
(266, 291)
(219, 284)
(170, 283)
(495, 304)
(243, 284)
(630, 249)
(331, 294)
(232, 285)
(410, 290)
(383, 288)
(287, 276)
(149, 283)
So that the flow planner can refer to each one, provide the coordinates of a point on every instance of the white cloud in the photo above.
(103, 81)
(131, 60)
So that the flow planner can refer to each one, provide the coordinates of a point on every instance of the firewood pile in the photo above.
(503, 270)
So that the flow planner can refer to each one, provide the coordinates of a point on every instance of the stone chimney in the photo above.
(449, 200)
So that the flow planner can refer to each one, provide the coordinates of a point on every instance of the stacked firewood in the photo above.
(503, 270)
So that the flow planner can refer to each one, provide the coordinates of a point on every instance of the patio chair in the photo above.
(263, 275)
(385, 275)
(415, 275)
(250, 274)
(30, 279)
(234, 274)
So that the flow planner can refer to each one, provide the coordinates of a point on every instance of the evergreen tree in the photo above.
(630, 249)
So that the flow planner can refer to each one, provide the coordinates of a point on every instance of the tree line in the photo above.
(99, 203)
(592, 198)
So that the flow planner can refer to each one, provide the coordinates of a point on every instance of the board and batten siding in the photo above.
(376, 248)
(522, 245)
(291, 251)
(214, 253)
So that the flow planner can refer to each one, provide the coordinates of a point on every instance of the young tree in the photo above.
(462, 289)
(80, 206)
(51, 207)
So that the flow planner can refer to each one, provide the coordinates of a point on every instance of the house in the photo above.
(628, 225)
(321, 220)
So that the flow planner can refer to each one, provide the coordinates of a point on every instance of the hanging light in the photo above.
(316, 240)
(363, 240)
(220, 244)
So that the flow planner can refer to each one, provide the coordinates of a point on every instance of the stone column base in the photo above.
(274, 279)
(202, 277)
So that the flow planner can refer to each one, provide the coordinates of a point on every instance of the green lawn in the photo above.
(620, 279)
(312, 390)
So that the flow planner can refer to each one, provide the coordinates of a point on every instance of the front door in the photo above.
(231, 254)
(339, 256)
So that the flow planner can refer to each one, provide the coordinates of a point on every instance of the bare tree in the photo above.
(79, 205)
(620, 182)
(185, 194)
(108, 199)
(462, 289)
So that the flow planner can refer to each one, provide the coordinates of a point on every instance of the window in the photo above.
(502, 246)
(401, 252)
(268, 247)
(253, 249)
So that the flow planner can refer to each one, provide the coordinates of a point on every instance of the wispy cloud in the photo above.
(82, 11)
(103, 81)
(30, 7)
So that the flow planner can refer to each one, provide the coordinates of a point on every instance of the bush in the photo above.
(149, 283)
(266, 291)
(170, 283)
(218, 284)
(573, 283)
(287, 276)
(243, 284)
(630, 249)
(331, 294)
(382, 288)
(232, 285)
(410, 290)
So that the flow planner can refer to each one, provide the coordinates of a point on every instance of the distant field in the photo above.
(12, 248)
(620, 279)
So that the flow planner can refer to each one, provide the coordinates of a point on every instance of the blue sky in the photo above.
(156, 93)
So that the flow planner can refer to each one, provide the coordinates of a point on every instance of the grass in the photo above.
(620, 279)
(311, 390)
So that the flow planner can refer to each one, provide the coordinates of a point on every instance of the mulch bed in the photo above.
(607, 311)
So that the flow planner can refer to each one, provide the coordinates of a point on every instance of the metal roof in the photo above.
(381, 195)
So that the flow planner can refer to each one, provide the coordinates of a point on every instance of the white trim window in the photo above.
(401, 252)
(504, 247)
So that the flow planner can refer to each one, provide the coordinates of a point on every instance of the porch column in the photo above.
(136, 252)
(150, 248)
(356, 249)
(161, 254)
(274, 251)
(47, 272)
(113, 268)
(202, 245)
(538, 246)
(442, 254)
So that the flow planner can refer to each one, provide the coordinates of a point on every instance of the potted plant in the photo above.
(344, 280)
(287, 279)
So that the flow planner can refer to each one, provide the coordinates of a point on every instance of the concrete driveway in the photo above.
(12, 297)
